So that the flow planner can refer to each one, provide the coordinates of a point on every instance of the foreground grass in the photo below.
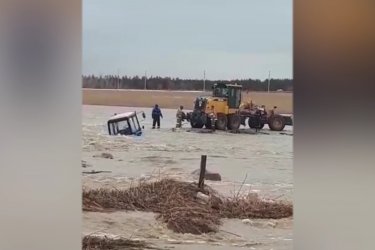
(105, 243)
(177, 205)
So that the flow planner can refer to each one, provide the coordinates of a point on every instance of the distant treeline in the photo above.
(167, 83)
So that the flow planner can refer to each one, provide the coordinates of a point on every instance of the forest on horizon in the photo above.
(168, 83)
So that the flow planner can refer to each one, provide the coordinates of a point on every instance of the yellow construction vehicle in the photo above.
(220, 111)
(224, 110)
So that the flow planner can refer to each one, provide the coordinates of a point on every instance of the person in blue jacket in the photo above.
(156, 114)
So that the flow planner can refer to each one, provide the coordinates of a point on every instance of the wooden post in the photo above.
(203, 171)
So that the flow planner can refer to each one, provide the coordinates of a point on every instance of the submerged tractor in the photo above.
(125, 124)
(224, 110)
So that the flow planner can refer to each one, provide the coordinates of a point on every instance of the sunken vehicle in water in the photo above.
(125, 124)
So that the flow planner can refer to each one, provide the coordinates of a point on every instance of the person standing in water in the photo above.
(156, 114)
(179, 116)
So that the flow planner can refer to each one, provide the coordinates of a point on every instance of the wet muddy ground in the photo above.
(263, 162)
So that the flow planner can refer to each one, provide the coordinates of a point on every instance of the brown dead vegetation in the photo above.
(104, 243)
(178, 206)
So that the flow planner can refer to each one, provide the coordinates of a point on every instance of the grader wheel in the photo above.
(221, 122)
(197, 120)
(234, 122)
(276, 123)
(254, 124)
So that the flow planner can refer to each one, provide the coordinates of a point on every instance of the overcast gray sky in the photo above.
(180, 38)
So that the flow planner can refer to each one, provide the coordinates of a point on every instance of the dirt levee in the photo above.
(172, 99)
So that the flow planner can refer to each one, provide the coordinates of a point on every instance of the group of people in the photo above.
(157, 114)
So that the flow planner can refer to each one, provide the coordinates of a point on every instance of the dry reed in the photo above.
(178, 207)
(104, 243)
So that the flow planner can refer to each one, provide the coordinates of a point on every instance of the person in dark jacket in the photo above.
(156, 114)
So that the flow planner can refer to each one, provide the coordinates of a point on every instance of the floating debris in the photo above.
(95, 172)
(104, 155)
(90, 242)
(283, 133)
(211, 176)
(177, 205)
(84, 164)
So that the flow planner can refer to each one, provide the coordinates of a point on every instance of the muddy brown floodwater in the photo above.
(262, 161)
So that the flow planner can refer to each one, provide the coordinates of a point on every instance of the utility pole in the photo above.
(145, 80)
(269, 79)
(118, 78)
(204, 81)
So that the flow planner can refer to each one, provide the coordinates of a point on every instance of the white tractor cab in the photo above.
(125, 124)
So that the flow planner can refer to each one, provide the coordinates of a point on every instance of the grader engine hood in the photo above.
(217, 105)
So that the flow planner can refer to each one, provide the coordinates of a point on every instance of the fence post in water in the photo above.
(203, 171)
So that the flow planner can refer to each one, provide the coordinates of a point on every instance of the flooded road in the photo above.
(263, 162)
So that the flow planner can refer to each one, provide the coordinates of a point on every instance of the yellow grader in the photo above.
(224, 110)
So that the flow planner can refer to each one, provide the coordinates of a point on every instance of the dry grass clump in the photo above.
(146, 196)
(175, 202)
(105, 243)
(194, 220)
(253, 207)
(177, 205)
